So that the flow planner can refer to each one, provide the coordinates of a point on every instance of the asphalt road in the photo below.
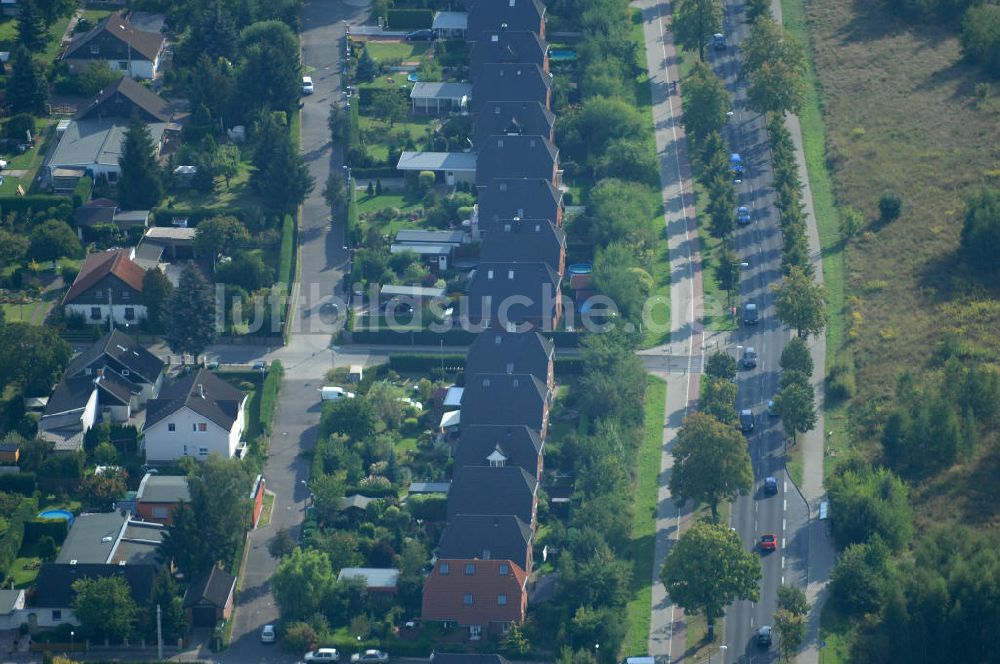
(759, 244)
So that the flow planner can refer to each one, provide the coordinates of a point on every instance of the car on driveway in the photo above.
(334, 393)
(746, 420)
(763, 637)
(307, 85)
(322, 655)
(420, 35)
(743, 215)
(749, 359)
(770, 485)
(268, 634)
(370, 656)
(768, 542)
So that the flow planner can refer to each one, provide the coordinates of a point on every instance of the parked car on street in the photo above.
(370, 656)
(768, 542)
(736, 166)
(322, 655)
(743, 215)
(764, 636)
(770, 485)
(719, 41)
(307, 85)
(420, 35)
(749, 359)
(750, 314)
(746, 420)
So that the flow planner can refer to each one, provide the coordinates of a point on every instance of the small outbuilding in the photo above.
(210, 598)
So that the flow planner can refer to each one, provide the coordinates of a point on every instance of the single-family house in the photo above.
(483, 596)
(497, 445)
(209, 598)
(435, 98)
(517, 156)
(517, 197)
(116, 42)
(487, 16)
(92, 143)
(381, 580)
(451, 167)
(109, 285)
(105, 212)
(502, 81)
(11, 608)
(159, 495)
(112, 538)
(510, 118)
(525, 295)
(51, 602)
(507, 400)
(511, 46)
(450, 25)
(196, 416)
(499, 351)
(527, 240)
(487, 537)
(120, 354)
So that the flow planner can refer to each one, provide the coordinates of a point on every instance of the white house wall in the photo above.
(165, 445)
(119, 312)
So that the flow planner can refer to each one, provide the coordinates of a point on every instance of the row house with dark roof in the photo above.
(483, 562)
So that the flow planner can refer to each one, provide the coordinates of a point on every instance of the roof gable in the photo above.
(115, 262)
(517, 46)
(500, 537)
(119, 98)
(123, 350)
(487, 15)
(212, 588)
(116, 29)
(500, 351)
(487, 445)
(54, 587)
(494, 286)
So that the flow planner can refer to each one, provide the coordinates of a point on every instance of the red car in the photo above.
(768, 542)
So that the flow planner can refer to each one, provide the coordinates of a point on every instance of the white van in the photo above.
(334, 393)
(640, 660)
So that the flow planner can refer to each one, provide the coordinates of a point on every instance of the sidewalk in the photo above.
(684, 355)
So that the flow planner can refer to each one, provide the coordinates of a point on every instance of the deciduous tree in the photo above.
(711, 462)
(706, 102)
(801, 303)
(796, 404)
(708, 568)
(33, 357)
(103, 490)
(52, 240)
(981, 232)
(695, 21)
(389, 106)
(219, 235)
(795, 356)
(105, 608)
(301, 582)
(721, 365)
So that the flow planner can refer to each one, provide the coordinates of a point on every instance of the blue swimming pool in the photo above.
(580, 268)
(65, 515)
(562, 56)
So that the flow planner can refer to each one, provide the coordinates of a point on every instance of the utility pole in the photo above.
(159, 635)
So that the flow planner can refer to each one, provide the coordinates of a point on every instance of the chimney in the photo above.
(201, 390)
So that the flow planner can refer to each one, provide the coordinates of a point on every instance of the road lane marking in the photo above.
(783, 525)
(782, 542)
(782, 562)
(785, 506)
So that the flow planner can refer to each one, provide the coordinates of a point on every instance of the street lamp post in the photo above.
(72, 640)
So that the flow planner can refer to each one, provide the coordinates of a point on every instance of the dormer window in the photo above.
(510, 274)
(489, 274)
(496, 459)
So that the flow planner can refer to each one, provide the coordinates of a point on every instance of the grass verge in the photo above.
(660, 333)
(832, 249)
(833, 630)
(265, 512)
(644, 517)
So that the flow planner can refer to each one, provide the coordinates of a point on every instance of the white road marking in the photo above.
(783, 525)
(782, 542)
(782, 562)
(785, 505)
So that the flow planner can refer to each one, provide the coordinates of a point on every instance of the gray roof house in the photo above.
(499, 351)
(436, 98)
(506, 400)
(491, 15)
(54, 594)
(513, 46)
(523, 198)
(487, 536)
(517, 156)
(451, 167)
(529, 240)
(505, 118)
(482, 490)
(526, 295)
(499, 445)
(105, 212)
(501, 81)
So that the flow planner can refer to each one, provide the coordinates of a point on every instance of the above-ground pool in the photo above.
(413, 78)
(580, 268)
(65, 515)
(562, 56)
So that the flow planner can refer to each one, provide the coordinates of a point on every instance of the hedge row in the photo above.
(165, 216)
(36, 529)
(22, 483)
(412, 362)
(429, 507)
(11, 541)
(375, 172)
(286, 257)
(36, 203)
(410, 19)
(269, 394)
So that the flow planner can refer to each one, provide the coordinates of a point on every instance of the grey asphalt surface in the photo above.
(759, 243)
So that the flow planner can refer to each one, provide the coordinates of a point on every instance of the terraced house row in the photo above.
(483, 562)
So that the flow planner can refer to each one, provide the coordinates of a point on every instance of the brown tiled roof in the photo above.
(444, 594)
(144, 43)
(99, 265)
(150, 102)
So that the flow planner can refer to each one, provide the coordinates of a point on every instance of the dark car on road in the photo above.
(764, 636)
(749, 359)
(770, 485)
(420, 35)
(750, 314)
(743, 215)
(736, 166)
(746, 420)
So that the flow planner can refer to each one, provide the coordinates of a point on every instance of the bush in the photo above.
(890, 207)
(299, 637)
(981, 37)
(426, 180)
(840, 383)
(37, 529)
(269, 394)
(431, 507)
(18, 126)
(22, 483)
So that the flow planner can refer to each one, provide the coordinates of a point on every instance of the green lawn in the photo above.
(834, 630)
(644, 517)
(401, 51)
(266, 509)
(405, 204)
(30, 161)
(237, 195)
(23, 312)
